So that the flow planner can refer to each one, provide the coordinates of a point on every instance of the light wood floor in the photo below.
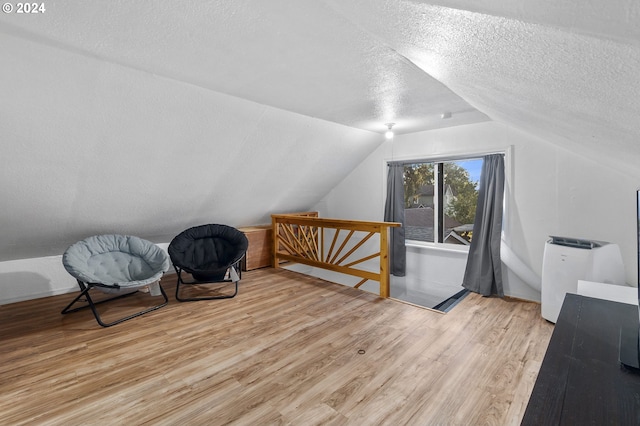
(284, 351)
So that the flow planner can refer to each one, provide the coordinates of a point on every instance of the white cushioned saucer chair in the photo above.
(119, 265)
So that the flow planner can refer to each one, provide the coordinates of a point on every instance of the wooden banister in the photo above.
(300, 237)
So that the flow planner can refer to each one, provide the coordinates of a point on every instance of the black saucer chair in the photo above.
(211, 254)
(118, 265)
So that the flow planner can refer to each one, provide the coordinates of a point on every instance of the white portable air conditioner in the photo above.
(568, 260)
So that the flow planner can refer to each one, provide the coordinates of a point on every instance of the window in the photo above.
(440, 200)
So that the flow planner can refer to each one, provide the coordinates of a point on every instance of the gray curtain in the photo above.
(484, 271)
(394, 212)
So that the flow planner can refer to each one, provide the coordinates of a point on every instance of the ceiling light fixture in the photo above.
(389, 133)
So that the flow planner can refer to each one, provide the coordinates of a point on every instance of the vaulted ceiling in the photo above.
(110, 102)
(303, 56)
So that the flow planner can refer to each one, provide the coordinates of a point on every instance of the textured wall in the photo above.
(93, 147)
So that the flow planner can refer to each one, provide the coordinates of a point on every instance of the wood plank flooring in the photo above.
(289, 349)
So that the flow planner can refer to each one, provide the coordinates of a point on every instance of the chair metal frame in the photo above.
(235, 267)
(87, 287)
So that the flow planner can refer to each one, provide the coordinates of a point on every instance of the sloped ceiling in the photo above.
(565, 71)
(148, 117)
(300, 56)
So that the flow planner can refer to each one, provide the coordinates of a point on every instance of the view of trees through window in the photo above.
(447, 190)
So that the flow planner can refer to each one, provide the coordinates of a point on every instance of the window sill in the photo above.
(449, 248)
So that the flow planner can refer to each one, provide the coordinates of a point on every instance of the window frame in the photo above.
(448, 247)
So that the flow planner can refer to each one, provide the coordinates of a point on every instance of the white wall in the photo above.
(26, 279)
(432, 273)
(550, 191)
(91, 147)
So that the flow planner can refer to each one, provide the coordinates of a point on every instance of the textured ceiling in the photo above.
(565, 71)
(301, 56)
(558, 69)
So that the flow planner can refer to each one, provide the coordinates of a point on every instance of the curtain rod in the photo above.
(435, 159)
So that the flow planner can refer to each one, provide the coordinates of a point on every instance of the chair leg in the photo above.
(83, 292)
(91, 304)
(194, 299)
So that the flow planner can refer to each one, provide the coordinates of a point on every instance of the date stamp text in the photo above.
(20, 8)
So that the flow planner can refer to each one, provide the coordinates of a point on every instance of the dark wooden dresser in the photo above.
(580, 381)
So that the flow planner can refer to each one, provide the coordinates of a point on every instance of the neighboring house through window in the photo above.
(440, 200)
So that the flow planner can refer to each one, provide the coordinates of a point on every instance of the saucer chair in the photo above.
(211, 254)
(118, 265)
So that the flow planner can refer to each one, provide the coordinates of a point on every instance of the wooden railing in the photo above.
(300, 237)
